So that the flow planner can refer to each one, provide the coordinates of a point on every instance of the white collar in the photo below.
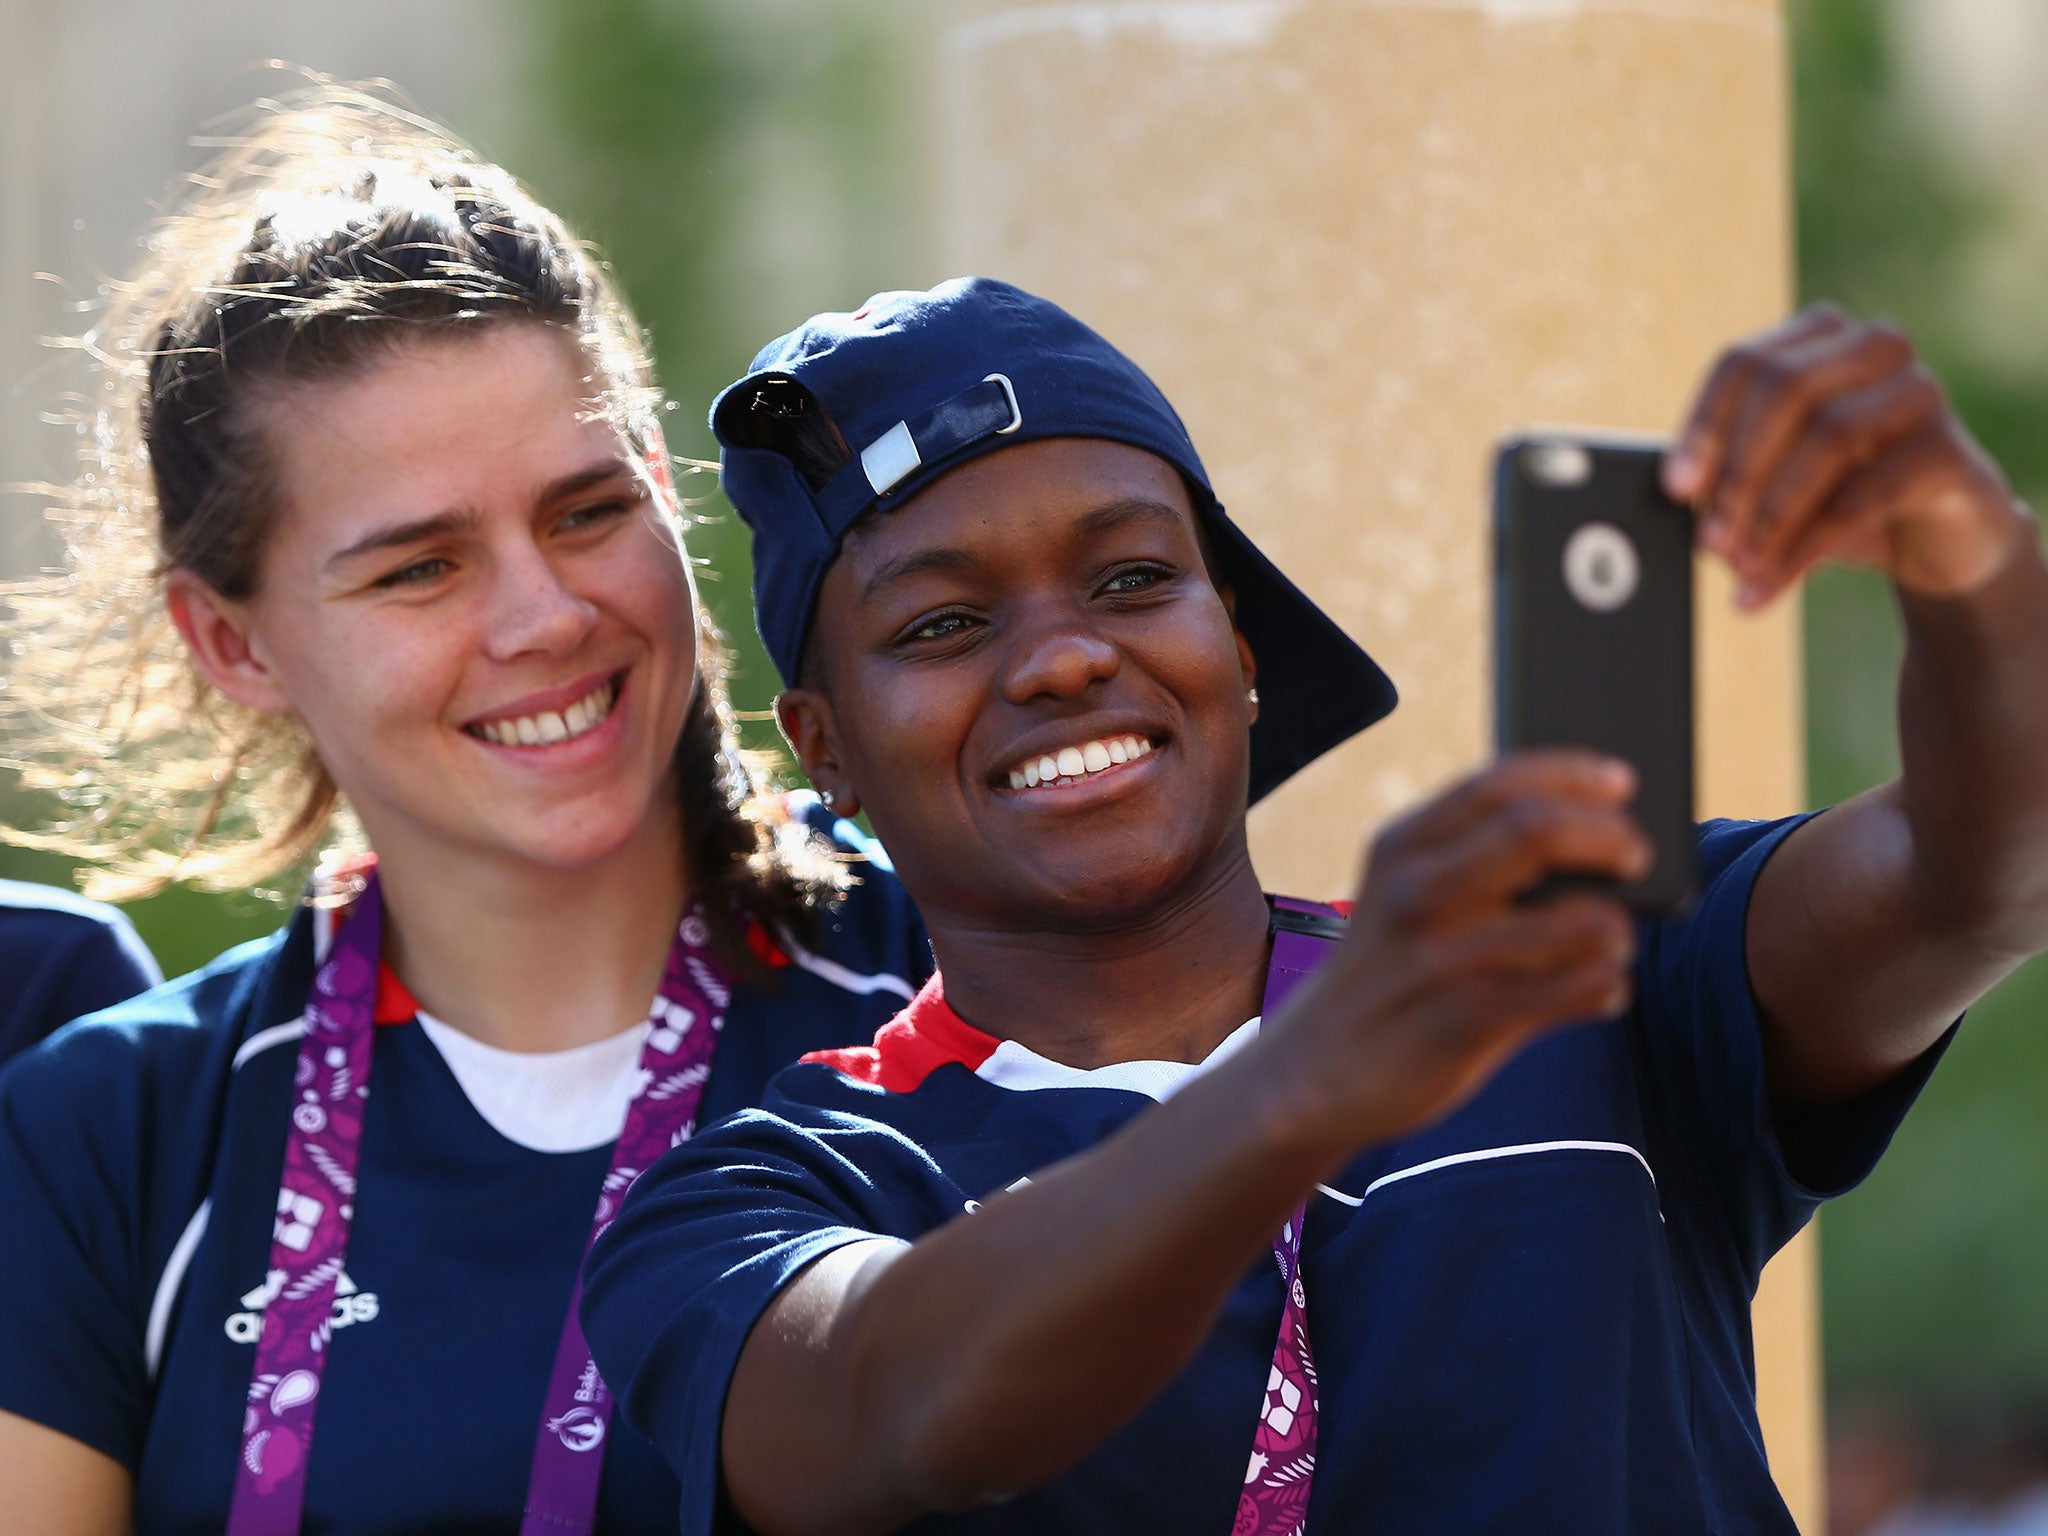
(1011, 1065)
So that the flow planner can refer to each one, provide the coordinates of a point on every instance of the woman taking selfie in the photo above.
(1169, 1208)
(374, 513)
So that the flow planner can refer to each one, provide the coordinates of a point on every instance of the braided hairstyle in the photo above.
(339, 227)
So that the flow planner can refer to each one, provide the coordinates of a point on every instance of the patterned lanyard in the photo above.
(1275, 1497)
(315, 1207)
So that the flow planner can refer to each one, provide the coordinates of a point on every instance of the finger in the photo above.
(1784, 392)
(1844, 433)
(1577, 998)
(1858, 520)
(1483, 867)
(1694, 464)
(1506, 1010)
(1578, 929)
(1569, 773)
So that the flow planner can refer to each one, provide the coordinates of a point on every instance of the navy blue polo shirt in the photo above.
(140, 1153)
(61, 957)
(1532, 1316)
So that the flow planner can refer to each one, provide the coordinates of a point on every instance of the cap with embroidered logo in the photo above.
(920, 383)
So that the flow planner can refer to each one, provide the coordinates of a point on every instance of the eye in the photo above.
(944, 626)
(1135, 580)
(595, 513)
(416, 574)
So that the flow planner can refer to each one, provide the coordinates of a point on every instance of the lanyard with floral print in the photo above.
(316, 1205)
(1283, 1462)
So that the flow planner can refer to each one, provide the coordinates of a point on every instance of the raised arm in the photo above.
(1878, 923)
(997, 1351)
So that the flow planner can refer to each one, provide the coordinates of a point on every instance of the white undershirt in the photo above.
(1011, 1065)
(549, 1101)
(573, 1100)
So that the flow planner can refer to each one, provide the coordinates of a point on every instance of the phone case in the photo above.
(1593, 637)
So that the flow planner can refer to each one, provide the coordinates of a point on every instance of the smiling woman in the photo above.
(1171, 1207)
(373, 524)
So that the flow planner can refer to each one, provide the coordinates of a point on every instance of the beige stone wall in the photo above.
(1357, 239)
(99, 104)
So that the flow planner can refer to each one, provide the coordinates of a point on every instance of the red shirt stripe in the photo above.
(925, 1036)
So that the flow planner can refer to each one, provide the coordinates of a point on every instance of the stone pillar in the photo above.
(1355, 240)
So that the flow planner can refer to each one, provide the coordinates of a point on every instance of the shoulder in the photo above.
(62, 956)
(1733, 847)
(1710, 938)
(35, 915)
(869, 938)
(162, 1045)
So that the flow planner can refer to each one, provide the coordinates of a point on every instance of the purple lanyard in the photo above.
(315, 1207)
(1275, 1497)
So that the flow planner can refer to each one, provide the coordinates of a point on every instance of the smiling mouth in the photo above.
(550, 727)
(1073, 765)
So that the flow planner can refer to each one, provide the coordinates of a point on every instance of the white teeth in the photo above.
(551, 726)
(1073, 764)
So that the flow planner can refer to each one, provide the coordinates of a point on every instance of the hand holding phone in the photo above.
(1593, 641)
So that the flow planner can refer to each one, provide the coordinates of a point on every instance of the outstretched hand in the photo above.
(1826, 439)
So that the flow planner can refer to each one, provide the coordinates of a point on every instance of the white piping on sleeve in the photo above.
(167, 1288)
(1489, 1154)
(264, 1039)
(857, 982)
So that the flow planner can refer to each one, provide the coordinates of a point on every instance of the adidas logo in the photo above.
(352, 1305)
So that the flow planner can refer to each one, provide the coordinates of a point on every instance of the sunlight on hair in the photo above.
(336, 224)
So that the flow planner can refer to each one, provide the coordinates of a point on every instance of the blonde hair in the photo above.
(340, 225)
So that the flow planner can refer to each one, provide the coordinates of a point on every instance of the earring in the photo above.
(1251, 696)
(826, 796)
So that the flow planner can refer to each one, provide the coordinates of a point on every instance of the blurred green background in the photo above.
(745, 164)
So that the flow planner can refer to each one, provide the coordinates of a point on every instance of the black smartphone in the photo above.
(1593, 642)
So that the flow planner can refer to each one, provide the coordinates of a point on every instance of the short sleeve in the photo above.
(71, 1354)
(705, 1241)
(62, 965)
(1703, 1041)
(113, 966)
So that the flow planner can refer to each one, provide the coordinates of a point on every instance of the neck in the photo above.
(1167, 985)
(531, 958)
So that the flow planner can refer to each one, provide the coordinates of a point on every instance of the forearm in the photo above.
(1884, 919)
(1003, 1347)
(1973, 738)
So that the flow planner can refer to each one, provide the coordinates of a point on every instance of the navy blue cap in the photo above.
(918, 384)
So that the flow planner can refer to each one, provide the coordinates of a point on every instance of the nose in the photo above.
(534, 610)
(1058, 658)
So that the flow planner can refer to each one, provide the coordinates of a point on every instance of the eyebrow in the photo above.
(1116, 514)
(1126, 510)
(942, 559)
(463, 519)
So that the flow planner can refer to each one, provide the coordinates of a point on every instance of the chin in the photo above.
(1083, 900)
(580, 838)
